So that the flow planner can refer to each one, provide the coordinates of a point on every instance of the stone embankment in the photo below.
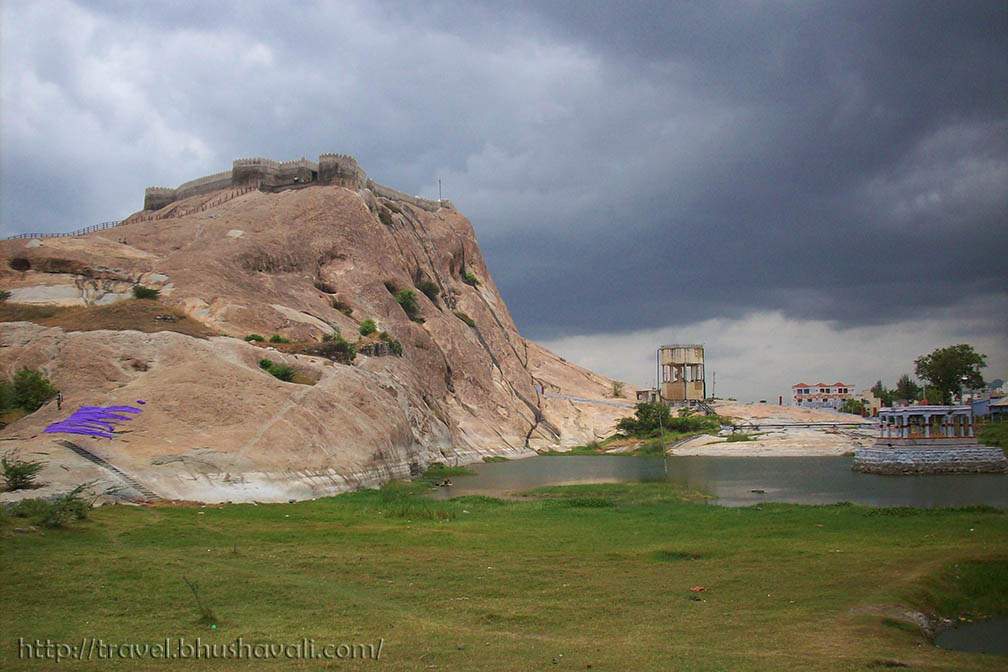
(951, 460)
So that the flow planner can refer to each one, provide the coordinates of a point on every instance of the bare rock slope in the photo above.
(301, 264)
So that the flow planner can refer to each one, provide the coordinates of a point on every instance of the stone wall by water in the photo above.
(897, 461)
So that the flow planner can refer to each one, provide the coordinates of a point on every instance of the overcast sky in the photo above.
(816, 191)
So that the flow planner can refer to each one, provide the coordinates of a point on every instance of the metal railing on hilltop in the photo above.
(200, 208)
(78, 232)
(142, 218)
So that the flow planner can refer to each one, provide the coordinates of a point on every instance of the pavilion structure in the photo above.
(928, 440)
(919, 425)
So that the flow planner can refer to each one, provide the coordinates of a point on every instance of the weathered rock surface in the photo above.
(217, 427)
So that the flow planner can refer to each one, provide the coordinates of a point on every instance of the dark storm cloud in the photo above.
(626, 165)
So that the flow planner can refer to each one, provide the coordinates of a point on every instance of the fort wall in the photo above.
(392, 194)
(204, 185)
(269, 175)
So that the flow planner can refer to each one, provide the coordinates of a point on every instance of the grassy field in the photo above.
(994, 434)
(138, 314)
(596, 577)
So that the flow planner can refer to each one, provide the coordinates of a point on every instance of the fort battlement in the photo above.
(270, 175)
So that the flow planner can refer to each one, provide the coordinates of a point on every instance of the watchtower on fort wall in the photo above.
(341, 170)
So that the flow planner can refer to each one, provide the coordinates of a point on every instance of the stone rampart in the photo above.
(341, 170)
(269, 175)
(204, 185)
(935, 460)
(392, 194)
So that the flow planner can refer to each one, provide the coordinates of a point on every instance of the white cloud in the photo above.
(763, 354)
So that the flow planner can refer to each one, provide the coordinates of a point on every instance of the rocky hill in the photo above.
(301, 264)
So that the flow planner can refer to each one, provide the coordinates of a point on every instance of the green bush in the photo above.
(32, 389)
(395, 347)
(254, 337)
(141, 292)
(994, 434)
(385, 336)
(465, 318)
(368, 327)
(407, 299)
(334, 335)
(281, 371)
(342, 307)
(652, 416)
(430, 290)
(469, 278)
(17, 473)
(277, 338)
(67, 507)
(6, 396)
(4, 295)
(32, 507)
(338, 350)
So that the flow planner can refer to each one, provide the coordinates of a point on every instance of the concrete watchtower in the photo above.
(682, 373)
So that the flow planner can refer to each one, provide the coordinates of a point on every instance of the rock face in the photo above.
(300, 264)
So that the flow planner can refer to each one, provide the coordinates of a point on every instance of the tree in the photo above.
(907, 389)
(885, 396)
(32, 389)
(950, 369)
(853, 406)
(647, 420)
(407, 299)
(18, 473)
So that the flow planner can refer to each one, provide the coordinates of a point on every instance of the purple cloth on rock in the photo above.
(96, 421)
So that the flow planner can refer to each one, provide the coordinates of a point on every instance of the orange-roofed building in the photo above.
(821, 395)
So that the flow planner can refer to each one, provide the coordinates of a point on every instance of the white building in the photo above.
(821, 395)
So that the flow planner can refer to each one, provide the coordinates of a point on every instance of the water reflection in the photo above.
(978, 637)
(741, 481)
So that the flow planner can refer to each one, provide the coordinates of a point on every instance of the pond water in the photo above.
(979, 637)
(739, 481)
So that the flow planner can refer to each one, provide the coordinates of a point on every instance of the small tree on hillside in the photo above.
(950, 369)
(32, 389)
(18, 473)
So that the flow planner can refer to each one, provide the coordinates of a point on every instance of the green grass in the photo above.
(438, 472)
(601, 574)
(994, 434)
(646, 447)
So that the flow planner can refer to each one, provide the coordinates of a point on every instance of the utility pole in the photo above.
(713, 385)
